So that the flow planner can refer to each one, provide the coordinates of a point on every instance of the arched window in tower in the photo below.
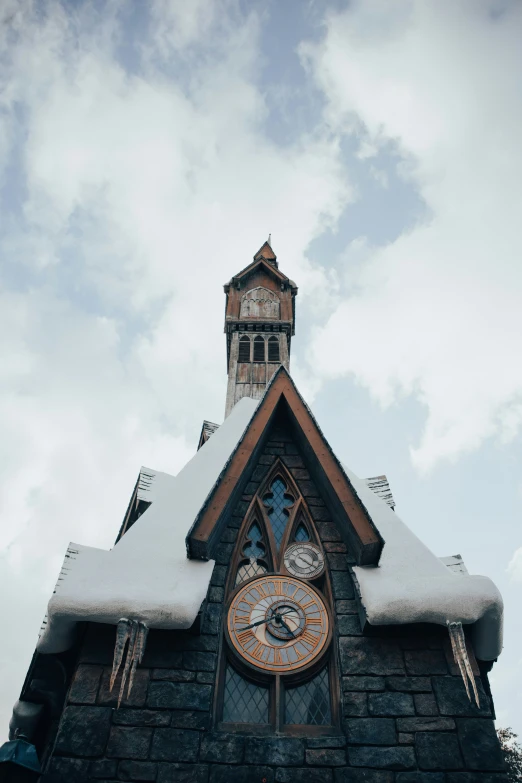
(259, 349)
(244, 349)
(273, 349)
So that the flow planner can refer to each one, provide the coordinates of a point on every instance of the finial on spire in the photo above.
(270, 240)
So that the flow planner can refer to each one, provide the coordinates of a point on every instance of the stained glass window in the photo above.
(277, 501)
(301, 534)
(244, 701)
(309, 703)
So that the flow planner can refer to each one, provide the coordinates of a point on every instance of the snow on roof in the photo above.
(412, 585)
(147, 576)
(381, 486)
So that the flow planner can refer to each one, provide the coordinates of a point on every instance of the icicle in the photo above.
(138, 651)
(122, 634)
(460, 654)
(135, 633)
(128, 659)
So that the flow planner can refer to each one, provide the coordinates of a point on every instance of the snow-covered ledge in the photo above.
(411, 585)
(147, 576)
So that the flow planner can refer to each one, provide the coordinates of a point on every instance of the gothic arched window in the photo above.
(291, 702)
(259, 349)
(273, 349)
(244, 349)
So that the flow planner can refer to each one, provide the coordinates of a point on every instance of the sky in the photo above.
(146, 152)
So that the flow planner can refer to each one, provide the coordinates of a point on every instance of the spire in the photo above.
(266, 252)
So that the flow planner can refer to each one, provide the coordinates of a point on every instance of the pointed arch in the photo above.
(253, 555)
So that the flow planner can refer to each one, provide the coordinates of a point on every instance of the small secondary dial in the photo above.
(304, 560)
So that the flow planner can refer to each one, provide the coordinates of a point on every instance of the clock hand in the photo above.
(266, 620)
(288, 629)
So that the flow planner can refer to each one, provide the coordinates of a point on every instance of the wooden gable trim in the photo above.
(348, 511)
(253, 265)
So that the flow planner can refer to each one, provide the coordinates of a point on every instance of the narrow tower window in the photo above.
(273, 349)
(259, 349)
(244, 349)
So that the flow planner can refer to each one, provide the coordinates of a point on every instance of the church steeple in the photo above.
(259, 324)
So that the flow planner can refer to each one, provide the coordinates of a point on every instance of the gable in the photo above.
(282, 402)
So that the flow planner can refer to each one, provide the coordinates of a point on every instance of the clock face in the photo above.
(304, 560)
(278, 624)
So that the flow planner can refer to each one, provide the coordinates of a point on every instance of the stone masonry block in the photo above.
(179, 696)
(303, 775)
(84, 686)
(425, 662)
(367, 655)
(352, 775)
(62, 770)
(425, 704)
(480, 744)
(409, 684)
(216, 595)
(137, 696)
(355, 704)
(211, 619)
(173, 675)
(137, 770)
(452, 698)
(326, 757)
(327, 530)
(342, 585)
(129, 742)
(175, 745)
(396, 758)
(420, 777)
(425, 724)
(222, 748)
(200, 661)
(336, 561)
(182, 773)
(438, 750)
(140, 718)
(188, 719)
(274, 750)
(389, 703)
(222, 773)
(326, 742)
(83, 731)
(363, 684)
(103, 768)
(371, 731)
(346, 607)
(349, 625)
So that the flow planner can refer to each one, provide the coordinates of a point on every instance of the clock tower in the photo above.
(259, 324)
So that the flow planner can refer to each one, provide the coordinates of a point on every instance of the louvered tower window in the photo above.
(244, 349)
(273, 349)
(259, 349)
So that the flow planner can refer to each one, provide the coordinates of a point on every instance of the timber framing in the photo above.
(344, 504)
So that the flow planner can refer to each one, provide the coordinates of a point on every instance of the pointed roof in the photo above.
(350, 514)
(265, 257)
(266, 252)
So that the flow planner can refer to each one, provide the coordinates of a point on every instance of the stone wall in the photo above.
(406, 717)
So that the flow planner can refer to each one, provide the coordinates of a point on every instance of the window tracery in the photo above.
(277, 518)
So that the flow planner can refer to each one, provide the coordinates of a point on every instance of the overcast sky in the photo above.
(146, 152)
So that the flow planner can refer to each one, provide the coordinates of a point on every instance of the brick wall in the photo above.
(406, 717)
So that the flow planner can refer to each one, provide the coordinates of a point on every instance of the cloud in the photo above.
(435, 314)
(136, 182)
(514, 568)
